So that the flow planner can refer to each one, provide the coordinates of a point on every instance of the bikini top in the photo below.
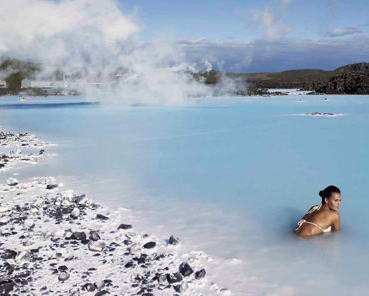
(302, 221)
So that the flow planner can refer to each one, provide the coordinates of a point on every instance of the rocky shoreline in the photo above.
(57, 242)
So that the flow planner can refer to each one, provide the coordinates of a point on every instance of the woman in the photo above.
(324, 217)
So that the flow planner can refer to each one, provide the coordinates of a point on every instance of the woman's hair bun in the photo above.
(326, 193)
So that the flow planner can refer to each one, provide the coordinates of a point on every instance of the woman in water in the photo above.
(324, 217)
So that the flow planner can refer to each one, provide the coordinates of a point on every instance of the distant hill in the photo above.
(354, 67)
(306, 79)
(350, 79)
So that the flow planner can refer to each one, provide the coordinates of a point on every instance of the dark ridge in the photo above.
(354, 67)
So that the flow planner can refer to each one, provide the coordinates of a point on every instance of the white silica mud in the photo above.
(55, 242)
(229, 176)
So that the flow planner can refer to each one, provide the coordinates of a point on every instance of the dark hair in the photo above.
(326, 193)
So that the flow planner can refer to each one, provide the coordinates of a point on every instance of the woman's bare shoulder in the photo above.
(334, 215)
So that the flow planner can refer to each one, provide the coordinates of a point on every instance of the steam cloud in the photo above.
(97, 37)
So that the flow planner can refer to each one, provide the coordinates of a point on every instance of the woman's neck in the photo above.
(326, 207)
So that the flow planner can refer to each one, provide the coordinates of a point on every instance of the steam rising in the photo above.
(95, 39)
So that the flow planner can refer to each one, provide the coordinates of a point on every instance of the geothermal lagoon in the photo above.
(230, 176)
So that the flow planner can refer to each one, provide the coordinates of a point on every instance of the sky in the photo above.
(264, 35)
(248, 20)
(228, 35)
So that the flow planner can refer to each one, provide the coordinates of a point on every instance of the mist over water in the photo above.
(97, 41)
(230, 176)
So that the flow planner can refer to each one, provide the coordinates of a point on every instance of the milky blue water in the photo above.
(230, 176)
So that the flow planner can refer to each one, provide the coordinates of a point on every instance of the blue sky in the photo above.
(229, 35)
(269, 35)
(230, 19)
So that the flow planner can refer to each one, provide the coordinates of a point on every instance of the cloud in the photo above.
(68, 28)
(278, 54)
(343, 32)
(269, 22)
(286, 2)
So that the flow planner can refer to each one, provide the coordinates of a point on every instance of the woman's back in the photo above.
(317, 220)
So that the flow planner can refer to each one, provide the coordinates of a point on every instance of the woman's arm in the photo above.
(336, 225)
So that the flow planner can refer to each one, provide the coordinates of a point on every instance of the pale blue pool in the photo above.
(231, 176)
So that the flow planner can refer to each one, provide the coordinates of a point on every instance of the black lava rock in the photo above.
(94, 235)
(102, 217)
(200, 274)
(79, 236)
(124, 226)
(9, 254)
(129, 264)
(89, 287)
(7, 268)
(185, 269)
(174, 278)
(62, 268)
(101, 293)
(149, 245)
(51, 186)
(180, 288)
(173, 240)
(6, 286)
(127, 242)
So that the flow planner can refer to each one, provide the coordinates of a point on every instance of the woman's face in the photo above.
(334, 201)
